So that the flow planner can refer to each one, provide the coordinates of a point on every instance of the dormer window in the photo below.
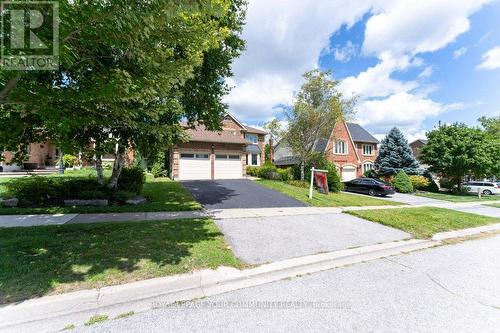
(253, 138)
(340, 147)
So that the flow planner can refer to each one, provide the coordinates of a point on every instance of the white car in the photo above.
(486, 188)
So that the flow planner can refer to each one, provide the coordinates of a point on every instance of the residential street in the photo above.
(453, 288)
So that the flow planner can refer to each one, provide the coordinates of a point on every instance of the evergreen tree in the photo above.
(395, 155)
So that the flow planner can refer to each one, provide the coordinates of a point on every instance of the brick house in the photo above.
(416, 146)
(350, 147)
(40, 156)
(218, 155)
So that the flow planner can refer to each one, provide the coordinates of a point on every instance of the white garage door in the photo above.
(348, 173)
(228, 166)
(194, 166)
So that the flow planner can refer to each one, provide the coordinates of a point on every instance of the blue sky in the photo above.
(412, 64)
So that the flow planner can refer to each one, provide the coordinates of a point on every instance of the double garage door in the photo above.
(194, 166)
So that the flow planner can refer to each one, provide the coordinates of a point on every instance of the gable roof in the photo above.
(359, 134)
(254, 130)
(230, 115)
(419, 140)
(200, 134)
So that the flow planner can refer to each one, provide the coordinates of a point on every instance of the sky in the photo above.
(411, 63)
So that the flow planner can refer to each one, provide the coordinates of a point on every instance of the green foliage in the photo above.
(433, 186)
(69, 160)
(253, 171)
(491, 125)
(129, 72)
(395, 154)
(402, 182)
(447, 183)
(286, 174)
(132, 179)
(320, 162)
(319, 106)
(122, 196)
(456, 150)
(159, 167)
(419, 182)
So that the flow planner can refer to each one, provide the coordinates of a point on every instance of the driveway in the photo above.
(268, 239)
(237, 193)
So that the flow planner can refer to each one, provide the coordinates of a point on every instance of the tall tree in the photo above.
(395, 155)
(457, 150)
(123, 70)
(318, 107)
(491, 125)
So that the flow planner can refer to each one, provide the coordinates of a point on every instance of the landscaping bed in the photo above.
(323, 200)
(423, 222)
(458, 197)
(38, 261)
(162, 194)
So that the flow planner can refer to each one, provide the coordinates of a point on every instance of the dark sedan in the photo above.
(369, 186)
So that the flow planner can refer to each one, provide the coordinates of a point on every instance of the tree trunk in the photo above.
(302, 173)
(117, 167)
(99, 169)
(459, 181)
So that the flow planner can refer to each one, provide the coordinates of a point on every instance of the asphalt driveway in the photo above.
(237, 193)
(268, 239)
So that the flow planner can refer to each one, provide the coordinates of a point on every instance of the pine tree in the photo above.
(395, 155)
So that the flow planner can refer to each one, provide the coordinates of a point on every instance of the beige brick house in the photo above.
(40, 156)
(218, 155)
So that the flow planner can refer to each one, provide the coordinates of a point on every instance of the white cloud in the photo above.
(460, 52)
(411, 27)
(427, 72)
(491, 59)
(407, 111)
(345, 53)
(286, 37)
(376, 80)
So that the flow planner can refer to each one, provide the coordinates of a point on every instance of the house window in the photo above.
(368, 150)
(253, 138)
(340, 147)
(255, 159)
(367, 166)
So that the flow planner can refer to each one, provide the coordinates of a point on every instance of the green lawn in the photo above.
(37, 261)
(164, 194)
(321, 200)
(423, 222)
(458, 197)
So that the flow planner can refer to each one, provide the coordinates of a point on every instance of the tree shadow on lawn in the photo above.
(45, 260)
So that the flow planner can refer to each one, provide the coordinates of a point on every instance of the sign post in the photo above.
(321, 181)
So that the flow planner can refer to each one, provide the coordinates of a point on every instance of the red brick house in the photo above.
(218, 155)
(416, 146)
(350, 147)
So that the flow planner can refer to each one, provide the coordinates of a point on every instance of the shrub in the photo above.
(334, 182)
(158, 170)
(132, 179)
(253, 171)
(34, 190)
(447, 183)
(268, 172)
(419, 182)
(69, 160)
(285, 174)
(402, 182)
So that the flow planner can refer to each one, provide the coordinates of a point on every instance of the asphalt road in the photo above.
(237, 193)
(268, 239)
(454, 288)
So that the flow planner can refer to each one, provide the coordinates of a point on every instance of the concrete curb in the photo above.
(466, 232)
(233, 213)
(53, 313)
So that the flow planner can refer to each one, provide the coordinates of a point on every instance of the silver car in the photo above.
(486, 188)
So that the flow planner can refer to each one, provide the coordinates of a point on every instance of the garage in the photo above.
(194, 166)
(348, 173)
(228, 166)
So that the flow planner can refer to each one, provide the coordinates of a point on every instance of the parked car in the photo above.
(370, 186)
(486, 188)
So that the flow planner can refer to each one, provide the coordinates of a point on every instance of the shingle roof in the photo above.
(359, 134)
(287, 160)
(252, 149)
(254, 130)
(200, 134)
